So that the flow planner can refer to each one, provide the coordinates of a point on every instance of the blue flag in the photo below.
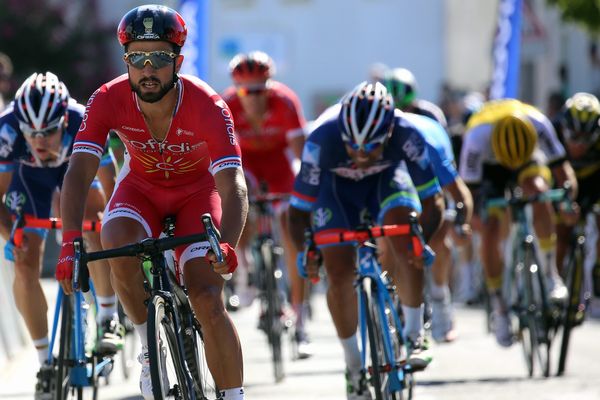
(196, 14)
(507, 49)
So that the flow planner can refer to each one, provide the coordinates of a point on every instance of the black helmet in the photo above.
(152, 22)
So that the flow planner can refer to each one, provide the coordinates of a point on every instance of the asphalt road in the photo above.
(473, 367)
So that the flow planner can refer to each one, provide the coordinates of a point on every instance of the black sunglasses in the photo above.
(157, 59)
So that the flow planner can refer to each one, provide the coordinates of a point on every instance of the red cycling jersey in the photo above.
(200, 140)
(171, 177)
(265, 149)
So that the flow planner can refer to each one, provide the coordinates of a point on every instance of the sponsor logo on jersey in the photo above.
(414, 148)
(167, 165)
(83, 125)
(226, 114)
(151, 145)
(357, 174)
(129, 128)
(310, 174)
(311, 153)
(180, 132)
(8, 135)
(14, 200)
(472, 160)
(122, 205)
(321, 216)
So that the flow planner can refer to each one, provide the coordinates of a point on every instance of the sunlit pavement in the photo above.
(472, 367)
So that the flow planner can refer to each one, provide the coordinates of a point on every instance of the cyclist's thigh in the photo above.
(188, 221)
(129, 216)
(341, 205)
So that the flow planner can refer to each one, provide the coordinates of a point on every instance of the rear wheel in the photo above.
(574, 309)
(167, 369)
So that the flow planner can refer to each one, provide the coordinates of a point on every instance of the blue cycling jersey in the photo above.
(439, 145)
(341, 196)
(32, 182)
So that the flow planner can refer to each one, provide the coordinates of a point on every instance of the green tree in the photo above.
(61, 37)
(583, 12)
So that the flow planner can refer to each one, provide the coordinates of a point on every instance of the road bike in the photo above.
(268, 277)
(176, 351)
(573, 312)
(77, 363)
(524, 285)
(384, 347)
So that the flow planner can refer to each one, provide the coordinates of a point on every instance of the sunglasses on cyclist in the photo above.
(157, 59)
(247, 90)
(369, 147)
(32, 134)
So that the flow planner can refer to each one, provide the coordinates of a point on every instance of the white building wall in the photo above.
(470, 28)
(325, 47)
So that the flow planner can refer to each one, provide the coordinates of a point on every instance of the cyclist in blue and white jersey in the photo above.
(401, 84)
(363, 156)
(36, 138)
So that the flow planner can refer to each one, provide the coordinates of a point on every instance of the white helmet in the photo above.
(41, 103)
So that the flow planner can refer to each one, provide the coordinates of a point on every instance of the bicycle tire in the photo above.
(63, 364)
(274, 308)
(535, 339)
(571, 310)
(379, 369)
(161, 328)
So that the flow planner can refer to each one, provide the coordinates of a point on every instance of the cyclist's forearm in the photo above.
(79, 176)
(298, 221)
(460, 193)
(431, 218)
(564, 173)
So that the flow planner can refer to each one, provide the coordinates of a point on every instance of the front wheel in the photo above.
(274, 307)
(63, 362)
(574, 309)
(533, 318)
(388, 377)
(167, 366)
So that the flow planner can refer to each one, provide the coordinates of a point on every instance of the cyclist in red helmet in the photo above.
(270, 126)
(181, 148)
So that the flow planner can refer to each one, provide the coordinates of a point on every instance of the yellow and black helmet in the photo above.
(513, 140)
(580, 118)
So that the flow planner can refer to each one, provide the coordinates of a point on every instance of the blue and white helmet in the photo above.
(41, 103)
(366, 115)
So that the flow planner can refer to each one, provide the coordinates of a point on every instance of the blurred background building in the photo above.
(322, 47)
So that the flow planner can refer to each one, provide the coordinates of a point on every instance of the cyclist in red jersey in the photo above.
(270, 126)
(181, 147)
